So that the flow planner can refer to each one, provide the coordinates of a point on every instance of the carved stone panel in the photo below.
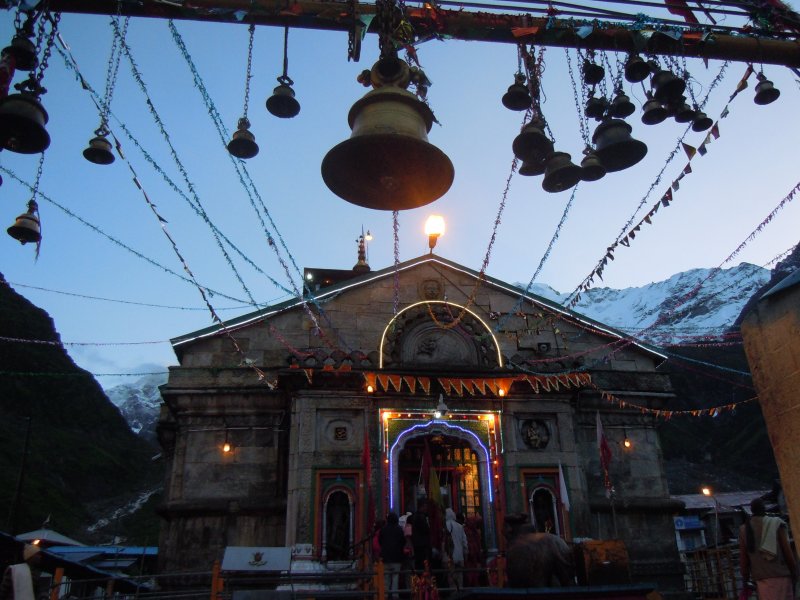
(339, 430)
(536, 433)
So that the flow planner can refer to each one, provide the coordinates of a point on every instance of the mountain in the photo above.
(698, 302)
(65, 451)
(139, 403)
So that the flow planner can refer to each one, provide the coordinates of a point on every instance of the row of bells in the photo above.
(615, 150)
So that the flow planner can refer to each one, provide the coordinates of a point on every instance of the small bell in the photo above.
(532, 144)
(636, 69)
(701, 121)
(27, 228)
(591, 167)
(282, 103)
(766, 93)
(99, 151)
(532, 168)
(560, 173)
(667, 86)
(243, 144)
(596, 107)
(23, 51)
(621, 106)
(615, 147)
(22, 121)
(517, 97)
(653, 112)
(592, 73)
(682, 112)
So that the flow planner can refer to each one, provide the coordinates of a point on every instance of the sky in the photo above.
(116, 310)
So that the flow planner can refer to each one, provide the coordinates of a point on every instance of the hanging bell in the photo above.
(682, 112)
(388, 163)
(591, 168)
(766, 93)
(26, 227)
(282, 103)
(99, 151)
(534, 167)
(667, 86)
(23, 51)
(596, 107)
(532, 144)
(560, 173)
(22, 121)
(243, 144)
(592, 73)
(517, 97)
(653, 112)
(621, 106)
(636, 69)
(615, 147)
(701, 121)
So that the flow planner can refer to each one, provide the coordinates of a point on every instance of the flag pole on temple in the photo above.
(605, 464)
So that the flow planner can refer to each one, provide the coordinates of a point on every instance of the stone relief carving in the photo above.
(430, 289)
(535, 433)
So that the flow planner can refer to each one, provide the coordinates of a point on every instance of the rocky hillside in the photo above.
(65, 450)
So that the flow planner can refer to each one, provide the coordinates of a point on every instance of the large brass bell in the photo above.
(532, 144)
(592, 73)
(560, 173)
(766, 92)
(701, 121)
(636, 69)
(621, 106)
(591, 167)
(388, 163)
(682, 112)
(596, 107)
(26, 227)
(23, 51)
(533, 167)
(667, 86)
(615, 147)
(282, 103)
(243, 143)
(99, 151)
(22, 121)
(517, 97)
(653, 112)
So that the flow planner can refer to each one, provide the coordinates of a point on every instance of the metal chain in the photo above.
(248, 76)
(38, 177)
(285, 79)
(111, 74)
(582, 121)
(48, 47)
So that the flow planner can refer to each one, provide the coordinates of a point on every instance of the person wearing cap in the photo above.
(17, 582)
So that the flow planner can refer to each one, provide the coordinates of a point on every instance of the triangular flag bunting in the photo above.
(425, 384)
(687, 169)
(702, 150)
(396, 381)
(715, 131)
(690, 150)
(411, 382)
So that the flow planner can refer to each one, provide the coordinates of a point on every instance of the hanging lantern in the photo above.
(560, 173)
(667, 86)
(99, 151)
(591, 167)
(596, 107)
(653, 112)
(282, 103)
(621, 106)
(517, 97)
(592, 73)
(766, 93)
(532, 144)
(22, 121)
(26, 227)
(701, 121)
(615, 147)
(388, 163)
(636, 69)
(243, 144)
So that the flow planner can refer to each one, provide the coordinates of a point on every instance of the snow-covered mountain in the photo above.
(689, 305)
(685, 311)
(139, 402)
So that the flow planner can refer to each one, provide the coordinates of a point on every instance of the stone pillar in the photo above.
(771, 334)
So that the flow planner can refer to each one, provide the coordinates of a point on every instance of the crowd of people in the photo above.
(449, 550)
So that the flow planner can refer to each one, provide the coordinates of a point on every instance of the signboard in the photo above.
(256, 559)
(688, 522)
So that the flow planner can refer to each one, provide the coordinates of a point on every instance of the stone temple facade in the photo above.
(335, 410)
